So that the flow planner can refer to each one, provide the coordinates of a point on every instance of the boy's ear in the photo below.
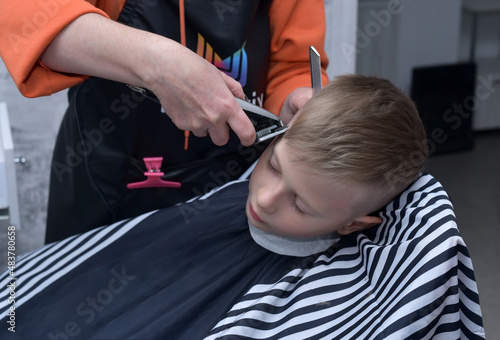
(359, 224)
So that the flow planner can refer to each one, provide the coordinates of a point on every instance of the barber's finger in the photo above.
(219, 134)
(233, 86)
(200, 132)
(306, 93)
(243, 128)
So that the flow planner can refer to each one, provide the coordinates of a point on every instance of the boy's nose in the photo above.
(266, 199)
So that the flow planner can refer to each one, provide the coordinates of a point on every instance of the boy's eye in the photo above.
(294, 205)
(296, 208)
(270, 167)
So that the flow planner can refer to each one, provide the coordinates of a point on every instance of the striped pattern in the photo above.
(39, 269)
(411, 278)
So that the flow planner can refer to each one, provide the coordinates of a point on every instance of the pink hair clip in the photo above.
(153, 176)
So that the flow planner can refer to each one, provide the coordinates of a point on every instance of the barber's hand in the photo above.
(200, 98)
(193, 92)
(295, 100)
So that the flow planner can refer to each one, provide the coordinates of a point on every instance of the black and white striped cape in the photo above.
(412, 278)
(409, 278)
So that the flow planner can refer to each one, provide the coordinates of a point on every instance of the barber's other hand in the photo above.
(295, 100)
(200, 98)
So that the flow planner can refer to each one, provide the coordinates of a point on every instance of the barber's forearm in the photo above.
(200, 98)
(96, 46)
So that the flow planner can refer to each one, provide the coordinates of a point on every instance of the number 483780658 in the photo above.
(11, 249)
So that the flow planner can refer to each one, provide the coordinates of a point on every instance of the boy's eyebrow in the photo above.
(309, 209)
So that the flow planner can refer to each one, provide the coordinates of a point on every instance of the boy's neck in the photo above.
(292, 246)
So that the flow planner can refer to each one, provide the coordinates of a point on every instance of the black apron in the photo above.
(108, 129)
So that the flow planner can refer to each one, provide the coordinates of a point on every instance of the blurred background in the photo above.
(444, 54)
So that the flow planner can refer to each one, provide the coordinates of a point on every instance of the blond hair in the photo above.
(361, 129)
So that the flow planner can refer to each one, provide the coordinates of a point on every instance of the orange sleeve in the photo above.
(27, 28)
(295, 25)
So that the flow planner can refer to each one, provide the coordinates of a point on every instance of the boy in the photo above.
(349, 151)
(191, 271)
